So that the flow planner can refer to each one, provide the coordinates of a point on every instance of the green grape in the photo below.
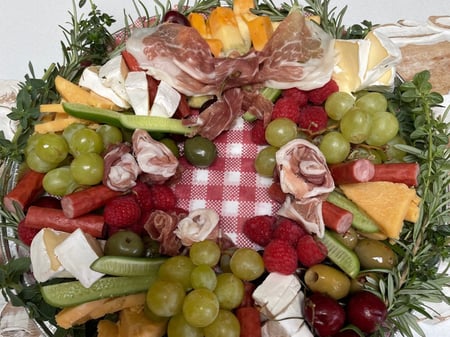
(225, 259)
(393, 154)
(338, 103)
(71, 129)
(203, 276)
(247, 264)
(51, 148)
(85, 141)
(334, 147)
(31, 143)
(172, 145)
(225, 325)
(87, 168)
(110, 135)
(384, 127)
(373, 155)
(265, 161)
(280, 131)
(59, 181)
(179, 327)
(200, 307)
(177, 268)
(229, 290)
(37, 164)
(205, 252)
(372, 102)
(355, 125)
(165, 298)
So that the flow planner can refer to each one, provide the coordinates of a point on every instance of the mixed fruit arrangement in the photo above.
(96, 200)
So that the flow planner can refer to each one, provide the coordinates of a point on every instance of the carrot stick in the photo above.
(25, 192)
(42, 217)
(85, 201)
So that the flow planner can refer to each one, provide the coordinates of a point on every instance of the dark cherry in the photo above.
(366, 311)
(346, 333)
(324, 314)
(174, 16)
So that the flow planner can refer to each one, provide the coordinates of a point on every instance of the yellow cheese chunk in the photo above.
(412, 214)
(134, 322)
(107, 328)
(260, 30)
(215, 45)
(198, 21)
(385, 202)
(223, 26)
(55, 107)
(57, 125)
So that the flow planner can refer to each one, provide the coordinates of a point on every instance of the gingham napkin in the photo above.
(230, 185)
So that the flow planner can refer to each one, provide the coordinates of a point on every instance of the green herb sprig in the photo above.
(423, 247)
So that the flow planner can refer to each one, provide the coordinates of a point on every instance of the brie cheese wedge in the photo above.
(137, 91)
(166, 101)
(44, 262)
(77, 253)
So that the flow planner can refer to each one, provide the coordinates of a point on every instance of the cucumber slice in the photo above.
(361, 221)
(119, 119)
(127, 266)
(72, 293)
(94, 114)
(342, 256)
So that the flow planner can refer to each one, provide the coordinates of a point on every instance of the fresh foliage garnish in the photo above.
(423, 248)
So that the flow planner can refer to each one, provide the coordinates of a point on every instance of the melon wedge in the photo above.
(385, 202)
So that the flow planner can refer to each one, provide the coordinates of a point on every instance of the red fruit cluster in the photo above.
(327, 316)
(286, 243)
(303, 107)
(132, 210)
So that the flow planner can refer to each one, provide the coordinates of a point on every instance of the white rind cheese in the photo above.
(137, 91)
(44, 262)
(166, 101)
(113, 74)
(77, 253)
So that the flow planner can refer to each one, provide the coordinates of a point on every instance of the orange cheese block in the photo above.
(385, 202)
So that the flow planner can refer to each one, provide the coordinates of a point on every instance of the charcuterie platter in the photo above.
(226, 170)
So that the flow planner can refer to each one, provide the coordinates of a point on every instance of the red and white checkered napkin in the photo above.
(230, 186)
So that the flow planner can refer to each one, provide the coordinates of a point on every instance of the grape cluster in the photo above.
(71, 159)
(197, 293)
(362, 120)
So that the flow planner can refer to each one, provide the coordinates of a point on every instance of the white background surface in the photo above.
(30, 29)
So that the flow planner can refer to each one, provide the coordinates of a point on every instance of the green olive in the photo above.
(374, 254)
(200, 151)
(124, 243)
(349, 238)
(327, 280)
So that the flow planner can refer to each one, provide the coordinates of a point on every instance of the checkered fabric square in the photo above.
(230, 185)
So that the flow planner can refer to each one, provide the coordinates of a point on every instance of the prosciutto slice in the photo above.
(305, 177)
(154, 158)
(120, 168)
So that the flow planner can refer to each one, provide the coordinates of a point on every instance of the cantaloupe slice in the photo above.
(385, 202)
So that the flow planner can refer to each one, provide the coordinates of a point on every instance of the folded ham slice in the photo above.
(305, 177)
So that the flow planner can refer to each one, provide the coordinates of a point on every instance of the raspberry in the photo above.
(289, 231)
(143, 195)
(319, 96)
(257, 133)
(26, 234)
(298, 95)
(276, 193)
(279, 256)
(286, 107)
(313, 118)
(122, 211)
(259, 229)
(163, 197)
(310, 251)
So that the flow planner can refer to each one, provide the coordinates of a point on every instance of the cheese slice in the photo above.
(386, 203)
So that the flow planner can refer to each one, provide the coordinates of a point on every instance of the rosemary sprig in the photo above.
(423, 246)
